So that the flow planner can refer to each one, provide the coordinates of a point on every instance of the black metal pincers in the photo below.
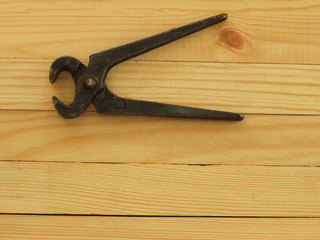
(91, 86)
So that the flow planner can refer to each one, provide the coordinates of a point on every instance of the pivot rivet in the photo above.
(90, 83)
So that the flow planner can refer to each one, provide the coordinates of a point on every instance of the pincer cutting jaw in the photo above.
(82, 97)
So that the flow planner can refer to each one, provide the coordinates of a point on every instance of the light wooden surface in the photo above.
(268, 31)
(161, 178)
(258, 140)
(137, 228)
(160, 189)
(239, 87)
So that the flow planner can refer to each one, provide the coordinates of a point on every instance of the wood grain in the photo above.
(247, 88)
(258, 140)
(144, 189)
(192, 168)
(94, 228)
(271, 31)
(256, 179)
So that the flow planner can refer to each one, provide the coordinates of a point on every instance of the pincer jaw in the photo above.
(82, 97)
(69, 111)
(63, 109)
(53, 75)
(66, 63)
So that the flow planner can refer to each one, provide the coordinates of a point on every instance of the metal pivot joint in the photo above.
(91, 86)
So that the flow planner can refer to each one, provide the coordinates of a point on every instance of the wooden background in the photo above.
(126, 177)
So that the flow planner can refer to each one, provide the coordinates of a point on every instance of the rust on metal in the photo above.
(91, 86)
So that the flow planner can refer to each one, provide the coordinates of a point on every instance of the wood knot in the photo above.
(232, 38)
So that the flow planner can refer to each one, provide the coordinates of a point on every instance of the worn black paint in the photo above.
(91, 87)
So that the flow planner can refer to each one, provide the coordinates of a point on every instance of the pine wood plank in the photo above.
(248, 88)
(157, 189)
(268, 31)
(94, 228)
(258, 140)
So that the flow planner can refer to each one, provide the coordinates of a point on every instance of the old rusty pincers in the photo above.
(91, 86)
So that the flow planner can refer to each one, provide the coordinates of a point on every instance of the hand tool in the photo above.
(91, 86)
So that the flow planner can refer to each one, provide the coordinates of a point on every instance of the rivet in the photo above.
(90, 83)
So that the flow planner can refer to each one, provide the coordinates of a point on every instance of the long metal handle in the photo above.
(136, 107)
(109, 103)
(122, 53)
